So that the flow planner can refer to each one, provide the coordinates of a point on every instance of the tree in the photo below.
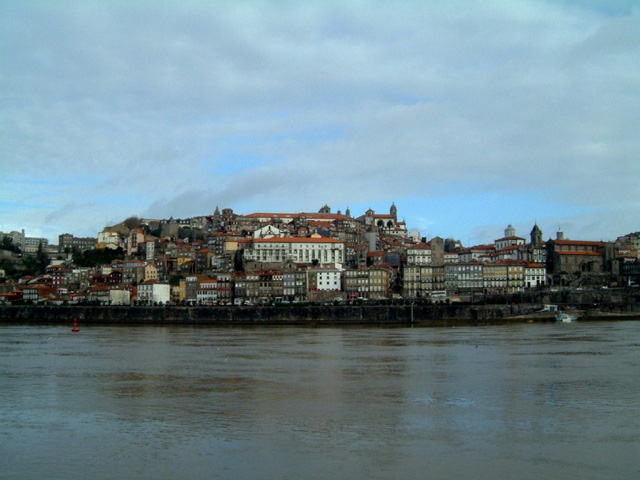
(92, 258)
(132, 222)
(7, 244)
(42, 259)
(8, 266)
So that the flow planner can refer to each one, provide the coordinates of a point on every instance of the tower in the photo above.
(394, 211)
(536, 236)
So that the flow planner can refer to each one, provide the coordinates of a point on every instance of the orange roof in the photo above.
(579, 242)
(509, 238)
(420, 246)
(597, 254)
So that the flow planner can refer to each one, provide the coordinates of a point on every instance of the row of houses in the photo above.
(491, 278)
(324, 283)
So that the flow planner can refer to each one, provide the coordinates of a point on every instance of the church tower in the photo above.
(394, 212)
(536, 236)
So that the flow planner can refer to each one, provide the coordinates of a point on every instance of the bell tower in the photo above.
(394, 211)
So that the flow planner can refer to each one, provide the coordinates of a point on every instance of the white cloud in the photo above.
(169, 109)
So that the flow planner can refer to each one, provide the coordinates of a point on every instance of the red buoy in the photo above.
(75, 325)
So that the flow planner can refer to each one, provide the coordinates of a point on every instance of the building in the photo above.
(152, 292)
(567, 257)
(370, 283)
(296, 249)
(192, 284)
(32, 244)
(68, 243)
(135, 239)
(535, 275)
(295, 285)
(494, 276)
(324, 279)
(110, 239)
(39, 293)
(207, 292)
(419, 254)
(509, 239)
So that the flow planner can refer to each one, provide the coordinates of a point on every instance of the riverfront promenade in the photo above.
(311, 315)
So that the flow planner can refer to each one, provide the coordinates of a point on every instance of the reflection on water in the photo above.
(525, 401)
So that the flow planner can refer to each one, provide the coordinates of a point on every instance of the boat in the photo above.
(565, 317)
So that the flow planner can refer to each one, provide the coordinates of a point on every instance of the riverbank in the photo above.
(357, 315)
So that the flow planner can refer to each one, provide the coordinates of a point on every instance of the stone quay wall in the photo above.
(309, 315)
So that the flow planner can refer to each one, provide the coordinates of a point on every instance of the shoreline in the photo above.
(316, 316)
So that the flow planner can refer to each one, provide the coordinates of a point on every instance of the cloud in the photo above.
(168, 109)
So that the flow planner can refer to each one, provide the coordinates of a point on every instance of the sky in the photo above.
(469, 116)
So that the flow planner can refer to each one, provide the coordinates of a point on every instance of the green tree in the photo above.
(7, 244)
(42, 259)
(132, 222)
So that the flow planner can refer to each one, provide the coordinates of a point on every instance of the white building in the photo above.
(535, 275)
(325, 279)
(268, 231)
(296, 249)
(119, 296)
(110, 239)
(419, 255)
(152, 292)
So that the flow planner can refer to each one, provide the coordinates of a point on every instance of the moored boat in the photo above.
(565, 317)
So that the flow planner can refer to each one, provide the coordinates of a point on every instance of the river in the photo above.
(526, 401)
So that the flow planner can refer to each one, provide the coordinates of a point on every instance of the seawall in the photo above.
(356, 315)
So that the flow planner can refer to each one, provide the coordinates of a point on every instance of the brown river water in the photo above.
(527, 401)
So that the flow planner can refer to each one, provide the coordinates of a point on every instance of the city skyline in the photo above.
(468, 116)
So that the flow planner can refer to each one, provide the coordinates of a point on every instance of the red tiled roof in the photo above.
(509, 238)
(579, 243)
(596, 254)
(420, 246)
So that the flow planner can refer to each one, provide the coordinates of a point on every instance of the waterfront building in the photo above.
(535, 275)
(99, 294)
(192, 284)
(295, 285)
(119, 296)
(153, 292)
(324, 279)
(574, 256)
(39, 293)
(207, 292)
(370, 283)
(495, 278)
(515, 276)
